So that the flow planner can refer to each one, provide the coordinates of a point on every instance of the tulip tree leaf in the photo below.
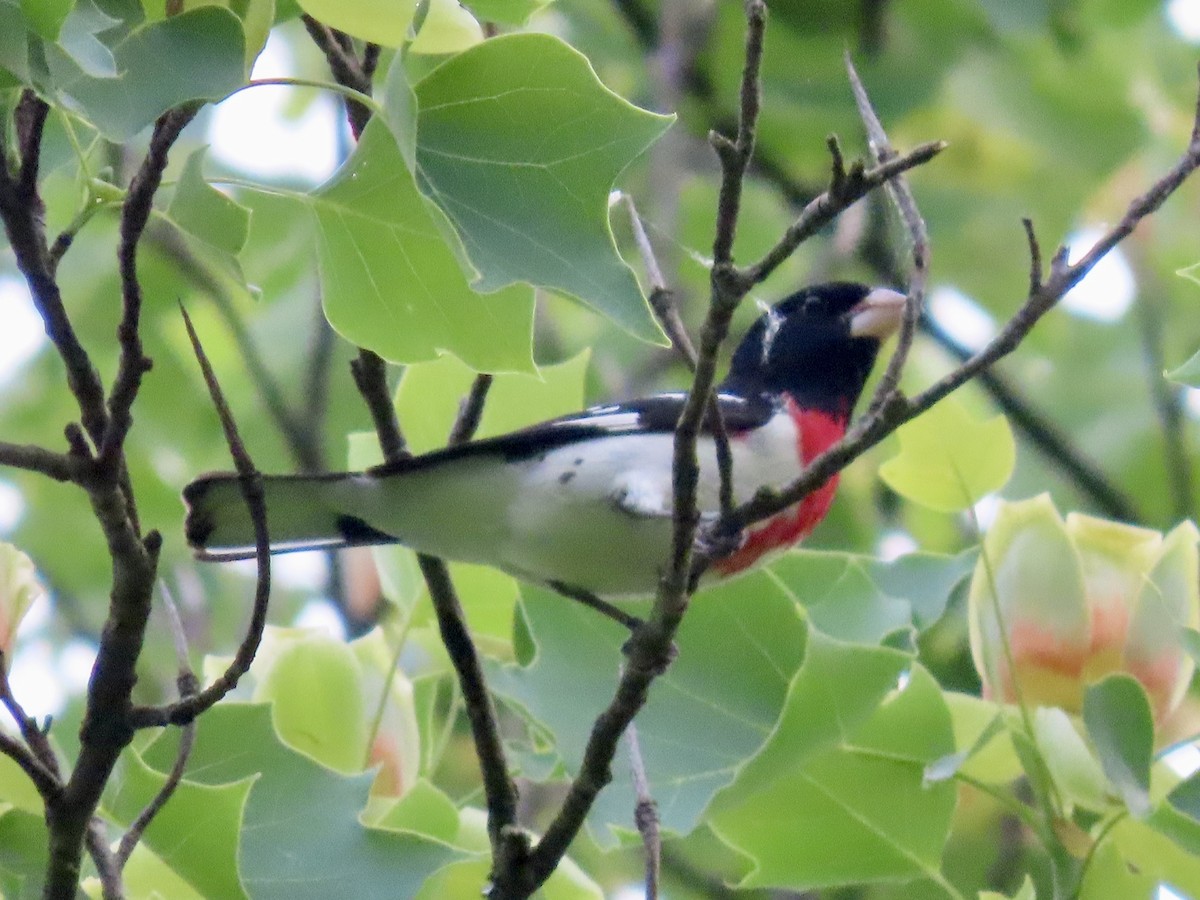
(47, 16)
(379, 21)
(858, 598)
(196, 834)
(391, 283)
(738, 646)
(315, 686)
(196, 55)
(23, 853)
(507, 12)
(301, 836)
(446, 28)
(840, 783)
(1188, 373)
(519, 142)
(1121, 726)
(948, 460)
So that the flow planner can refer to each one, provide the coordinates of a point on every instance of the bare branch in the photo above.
(1043, 434)
(345, 68)
(645, 814)
(735, 155)
(370, 376)
(35, 756)
(59, 466)
(649, 649)
(470, 411)
(662, 301)
(1035, 257)
(188, 686)
(135, 213)
(824, 208)
(188, 707)
(872, 429)
(906, 204)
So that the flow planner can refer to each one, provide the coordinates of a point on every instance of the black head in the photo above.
(818, 345)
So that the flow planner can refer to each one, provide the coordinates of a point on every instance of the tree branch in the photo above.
(346, 69)
(188, 686)
(871, 429)
(135, 213)
(188, 707)
(649, 649)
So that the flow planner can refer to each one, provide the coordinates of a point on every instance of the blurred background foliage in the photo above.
(1056, 110)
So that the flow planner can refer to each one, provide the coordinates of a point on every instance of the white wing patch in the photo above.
(640, 494)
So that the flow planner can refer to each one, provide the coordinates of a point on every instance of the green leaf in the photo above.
(23, 854)
(948, 460)
(197, 55)
(1026, 892)
(1186, 374)
(984, 750)
(301, 836)
(423, 810)
(1121, 727)
(1076, 772)
(201, 210)
(145, 875)
(315, 687)
(77, 37)
(858, 598)
(738, 647)
(389, 281)
(196, 834)
(519, 142)
(447, 28)
(470, 878)
(47, 16)
(16, 790)
(837, 795)
(379, 21)
(507, 12)
(1135, 860)
(1189, 638)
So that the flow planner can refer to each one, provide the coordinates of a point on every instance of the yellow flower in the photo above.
(1078, 600)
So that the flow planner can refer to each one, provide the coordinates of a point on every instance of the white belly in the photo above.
(594, 515)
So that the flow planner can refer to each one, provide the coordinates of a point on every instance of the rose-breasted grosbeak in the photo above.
(583, 503)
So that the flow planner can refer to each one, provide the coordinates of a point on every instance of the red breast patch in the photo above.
(818, 431)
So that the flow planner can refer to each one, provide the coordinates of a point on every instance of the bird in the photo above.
(583, 503)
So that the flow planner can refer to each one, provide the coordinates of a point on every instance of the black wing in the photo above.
(657, 414)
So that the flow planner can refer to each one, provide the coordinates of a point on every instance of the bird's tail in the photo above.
(304, 512)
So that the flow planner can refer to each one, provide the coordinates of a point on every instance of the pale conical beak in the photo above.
(878, 315)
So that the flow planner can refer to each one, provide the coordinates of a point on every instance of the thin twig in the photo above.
(345, 68)
(32, 458)
(906, 204)
(1042, 433)
(22, 211)
(32, 756)
(188, 707)
(470, 411)
(662, 302)
(188, 685)
(510, 846)
(645, 814)
(1168, 405)
(111, 885)
(370, 376)
(825, 207)
(872, 429)
(649, 649)
(135, 213)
